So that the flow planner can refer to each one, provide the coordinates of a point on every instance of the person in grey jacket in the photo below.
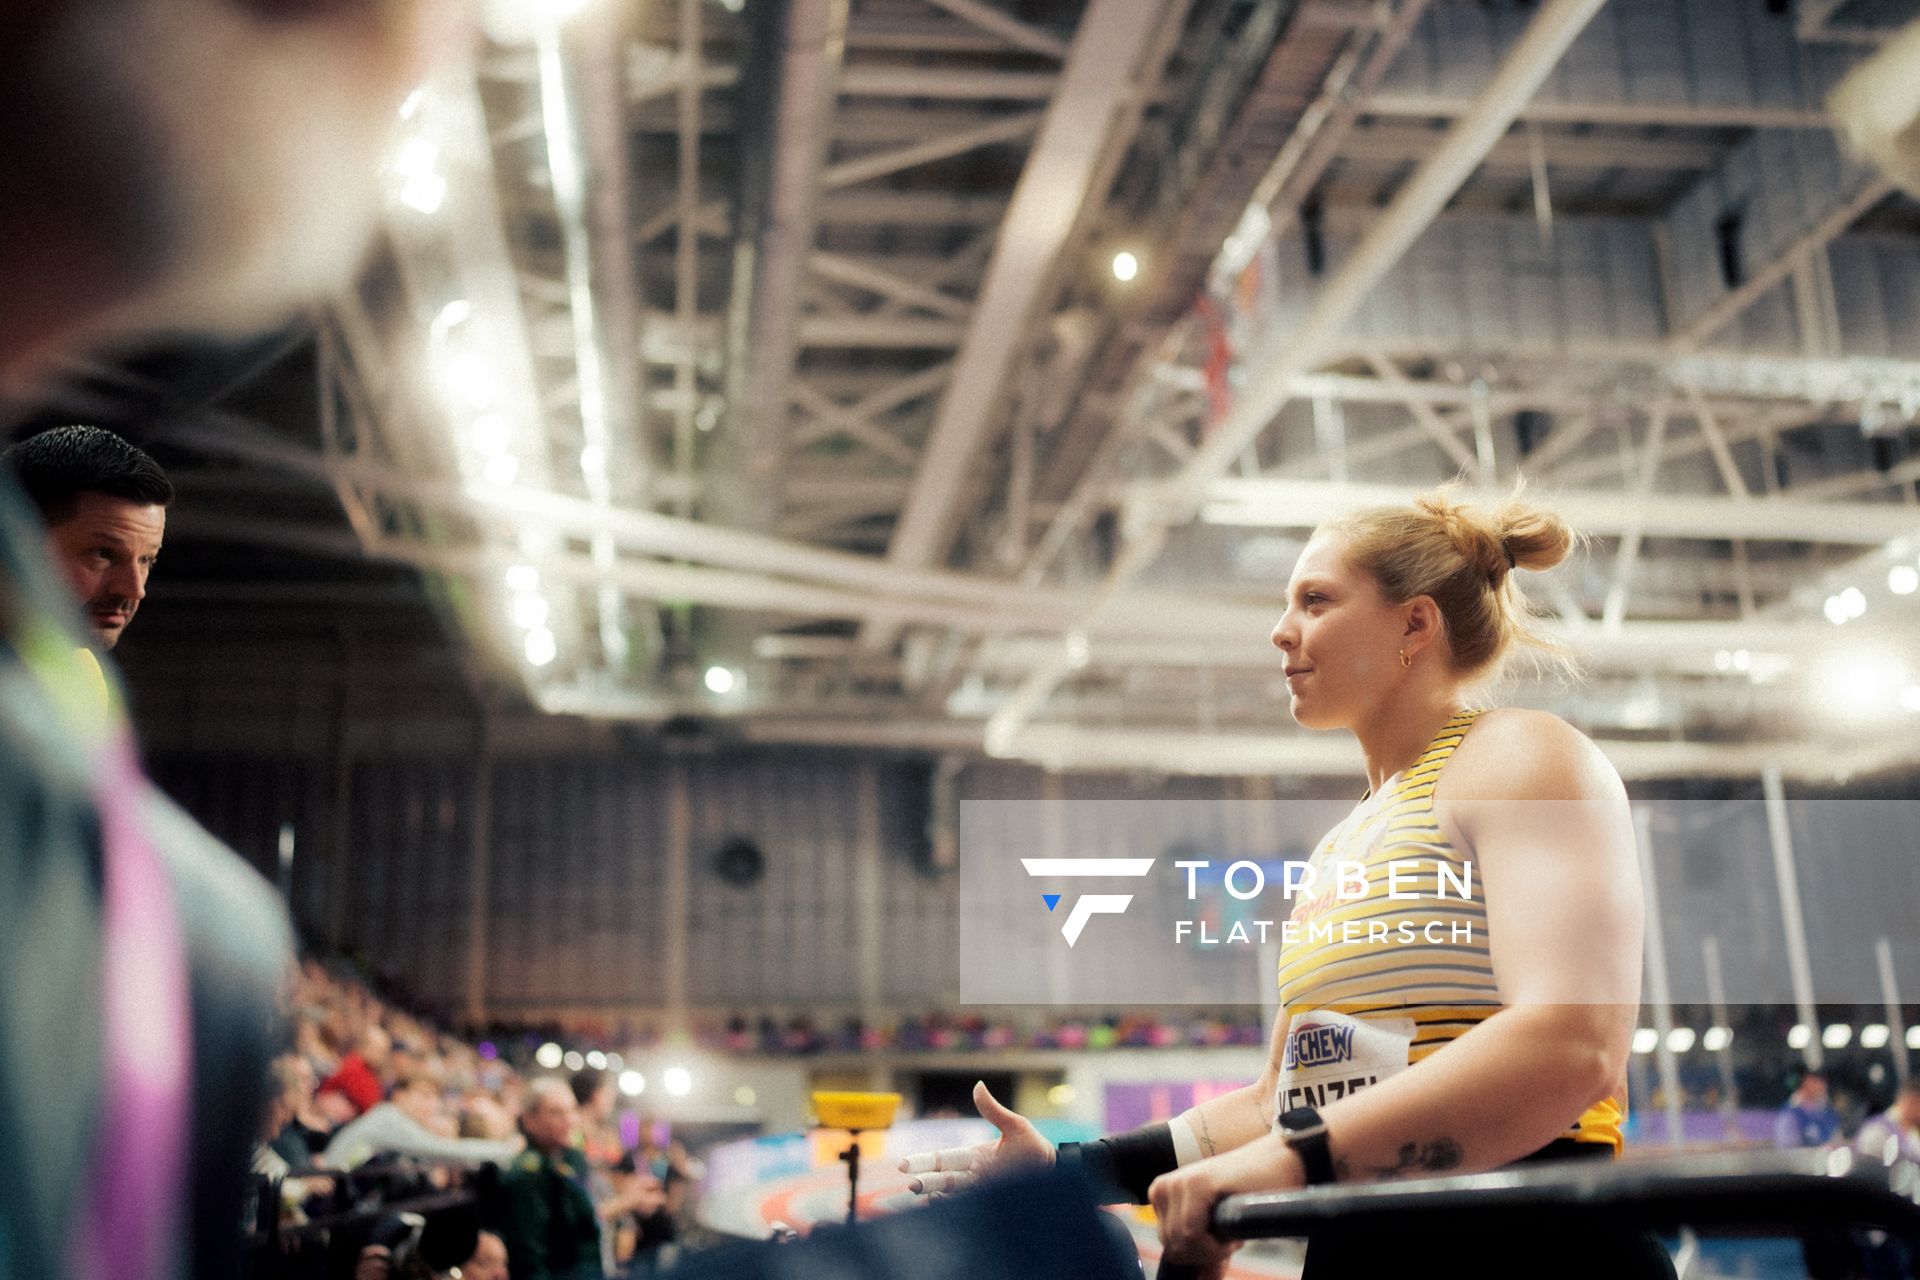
(402, 1125)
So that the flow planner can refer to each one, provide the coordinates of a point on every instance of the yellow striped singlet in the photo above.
(1423, 970)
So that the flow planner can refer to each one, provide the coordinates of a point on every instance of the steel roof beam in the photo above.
(847, 173)
(1099, 75)
(1303, 504)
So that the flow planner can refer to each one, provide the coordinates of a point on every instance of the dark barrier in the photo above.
(446, 1201)
(1828, 1200)
(1778, 1193)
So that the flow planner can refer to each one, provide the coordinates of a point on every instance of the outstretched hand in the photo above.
(937, 1173)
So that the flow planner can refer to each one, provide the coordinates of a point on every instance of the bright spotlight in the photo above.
(719, 680)
(1125, 266)
(1913, 1037)
(501, 469)
(529, 611)
(1836, 611)
(488, 432)
(1680, 1039)
(574, 1060)
(1646, 1040)
(542, 648)
(632, 1083)
(522, 577)
(678, 1081)
(464, 378)
(1742, 660)
(1716, 1039)
(457, 312)
(597, 1060)
(1855, 601)
(1838, 1035)
(1860, 684)
(417, 155)
(423, 192)
(548, 1055)
(1874, 1035)
(1800, 1037)
(1903, 579)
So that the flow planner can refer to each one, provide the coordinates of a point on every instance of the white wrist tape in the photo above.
(1186, 1147)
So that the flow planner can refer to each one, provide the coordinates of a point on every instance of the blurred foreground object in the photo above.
(1878, 108)
(1022, 1227)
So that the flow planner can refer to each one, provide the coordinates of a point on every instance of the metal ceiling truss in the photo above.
(867, 408)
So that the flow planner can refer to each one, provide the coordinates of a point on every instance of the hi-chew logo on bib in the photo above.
(1328, 1055)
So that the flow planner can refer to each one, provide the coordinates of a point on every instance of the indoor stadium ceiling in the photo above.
(767, 366)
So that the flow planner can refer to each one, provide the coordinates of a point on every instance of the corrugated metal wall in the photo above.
(1634, 52)
(578, 848)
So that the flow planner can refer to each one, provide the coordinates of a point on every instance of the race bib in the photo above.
(1330, 1055)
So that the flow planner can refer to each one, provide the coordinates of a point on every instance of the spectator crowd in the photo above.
(367, 1095)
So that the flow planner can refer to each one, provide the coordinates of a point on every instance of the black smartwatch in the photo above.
(1305, 1133)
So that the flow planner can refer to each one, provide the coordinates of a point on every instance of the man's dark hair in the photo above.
(586, 1082)
(57, 466)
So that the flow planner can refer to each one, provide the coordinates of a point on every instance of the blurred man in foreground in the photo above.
(168, 164)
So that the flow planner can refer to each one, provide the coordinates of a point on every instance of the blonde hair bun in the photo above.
(1462, 554)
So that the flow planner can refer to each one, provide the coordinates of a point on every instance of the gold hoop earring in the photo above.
(1405, 661)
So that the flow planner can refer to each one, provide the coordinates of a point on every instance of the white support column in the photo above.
(480, 878)
(868, 891)
(1791, 919)
(1717, 997)
(679, 891)
(1631, 537)
(1659, 985)
(1054, 837)
(1896, 1019)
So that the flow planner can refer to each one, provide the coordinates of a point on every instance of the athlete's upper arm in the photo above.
(1547, 821)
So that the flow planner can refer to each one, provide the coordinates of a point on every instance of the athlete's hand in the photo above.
(954, 1169)
(1183, 1200)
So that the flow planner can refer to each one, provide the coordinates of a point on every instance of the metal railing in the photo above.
(1773, 1193)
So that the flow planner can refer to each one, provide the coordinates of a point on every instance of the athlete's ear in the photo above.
(1424, 623)
(1423, 618)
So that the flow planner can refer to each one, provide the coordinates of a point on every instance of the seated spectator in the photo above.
(648, 1224)
(489, 1260)
(295, 1141)
(358, 1077)
(405, 1126)
(285, 1082)
(1894, 1134)
(483, 1117)
(1807, 1120)
(546, 1217)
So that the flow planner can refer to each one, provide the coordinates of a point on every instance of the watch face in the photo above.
(1299, 1120)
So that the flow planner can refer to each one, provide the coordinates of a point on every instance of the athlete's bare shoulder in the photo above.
(1517, 753)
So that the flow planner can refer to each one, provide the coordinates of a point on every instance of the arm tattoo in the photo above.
(1437, 1156)
(1206, 1137)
